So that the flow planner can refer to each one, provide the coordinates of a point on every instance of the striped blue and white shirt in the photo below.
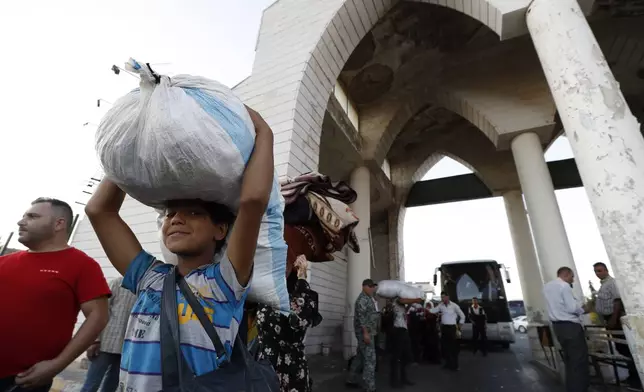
(222, 298)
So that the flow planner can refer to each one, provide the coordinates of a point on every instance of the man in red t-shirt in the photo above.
(41, 292)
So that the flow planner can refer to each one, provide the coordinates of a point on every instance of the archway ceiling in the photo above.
(420, 50)
(497, 86)
(436, 130)
(408, 40)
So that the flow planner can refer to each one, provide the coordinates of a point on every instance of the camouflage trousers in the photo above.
(363, 366)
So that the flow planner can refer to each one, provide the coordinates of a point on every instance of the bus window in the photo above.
(466, 288)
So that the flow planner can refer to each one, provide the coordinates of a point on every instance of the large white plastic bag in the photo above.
(398, 289)
(185, 137)
(190, 138)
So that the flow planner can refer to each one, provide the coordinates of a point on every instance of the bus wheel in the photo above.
(505, 345)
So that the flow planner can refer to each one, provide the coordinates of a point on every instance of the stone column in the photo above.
(527, 263)
(529, 272)
(606, 141)
(358, 264)
(547, 225)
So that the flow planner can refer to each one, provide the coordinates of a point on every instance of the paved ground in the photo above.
(507, 370)
(502, 370)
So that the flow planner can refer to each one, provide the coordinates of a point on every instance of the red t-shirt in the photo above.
(40, 298)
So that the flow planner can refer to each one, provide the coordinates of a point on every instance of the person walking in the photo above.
(451, 318)
(105, 353)
(401, 354)
(564, 312)
(365, 324)
(42, 290)
(478, 317)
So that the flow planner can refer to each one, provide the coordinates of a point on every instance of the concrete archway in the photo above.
(398, 212)
(465, 144)
(300, 54)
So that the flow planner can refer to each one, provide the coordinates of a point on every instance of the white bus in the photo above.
(481, 279)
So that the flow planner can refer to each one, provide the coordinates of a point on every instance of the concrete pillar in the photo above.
(529, 272)
(527, 263)
(547, 225)
(358, 264)
(606, 141)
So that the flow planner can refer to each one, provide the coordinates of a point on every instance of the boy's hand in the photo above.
(258, 121)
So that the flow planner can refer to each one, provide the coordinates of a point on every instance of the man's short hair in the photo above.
(62, 209)
(369, 283)
(600, 264)
(443, 293)
(563, 270)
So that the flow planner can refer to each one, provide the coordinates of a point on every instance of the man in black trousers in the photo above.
(565, 314)
(451, 317)
(479, 326)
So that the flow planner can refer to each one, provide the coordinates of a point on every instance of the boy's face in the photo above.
(188, 230)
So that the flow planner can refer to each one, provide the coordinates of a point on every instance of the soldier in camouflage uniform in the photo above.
(365, 324)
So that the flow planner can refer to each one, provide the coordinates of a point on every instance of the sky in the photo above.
(56, 65)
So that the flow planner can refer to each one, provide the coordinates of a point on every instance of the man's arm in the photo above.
(255, 193)
(617, 305)
(436, 309)
(43, 372)
(360, 313)
(117, 239)
(96, 317)
(460, 314)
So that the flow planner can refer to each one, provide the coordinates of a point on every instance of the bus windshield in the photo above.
(481, 280)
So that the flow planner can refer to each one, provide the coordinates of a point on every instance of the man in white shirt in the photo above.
(401, 353)
(451, 317)
(565, 315)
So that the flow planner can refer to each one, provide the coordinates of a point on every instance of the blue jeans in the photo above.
(104, 368)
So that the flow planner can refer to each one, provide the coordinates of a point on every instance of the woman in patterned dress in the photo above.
(281, 337)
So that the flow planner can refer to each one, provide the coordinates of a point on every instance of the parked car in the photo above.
(520, 324)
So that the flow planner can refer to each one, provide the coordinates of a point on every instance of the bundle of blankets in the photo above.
(318, 220)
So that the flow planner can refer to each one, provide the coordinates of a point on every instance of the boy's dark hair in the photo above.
(62, 209)
(600, 264)
(443, 293)
(218, 213)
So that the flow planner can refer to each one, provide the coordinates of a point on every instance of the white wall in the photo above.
(140, 218)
